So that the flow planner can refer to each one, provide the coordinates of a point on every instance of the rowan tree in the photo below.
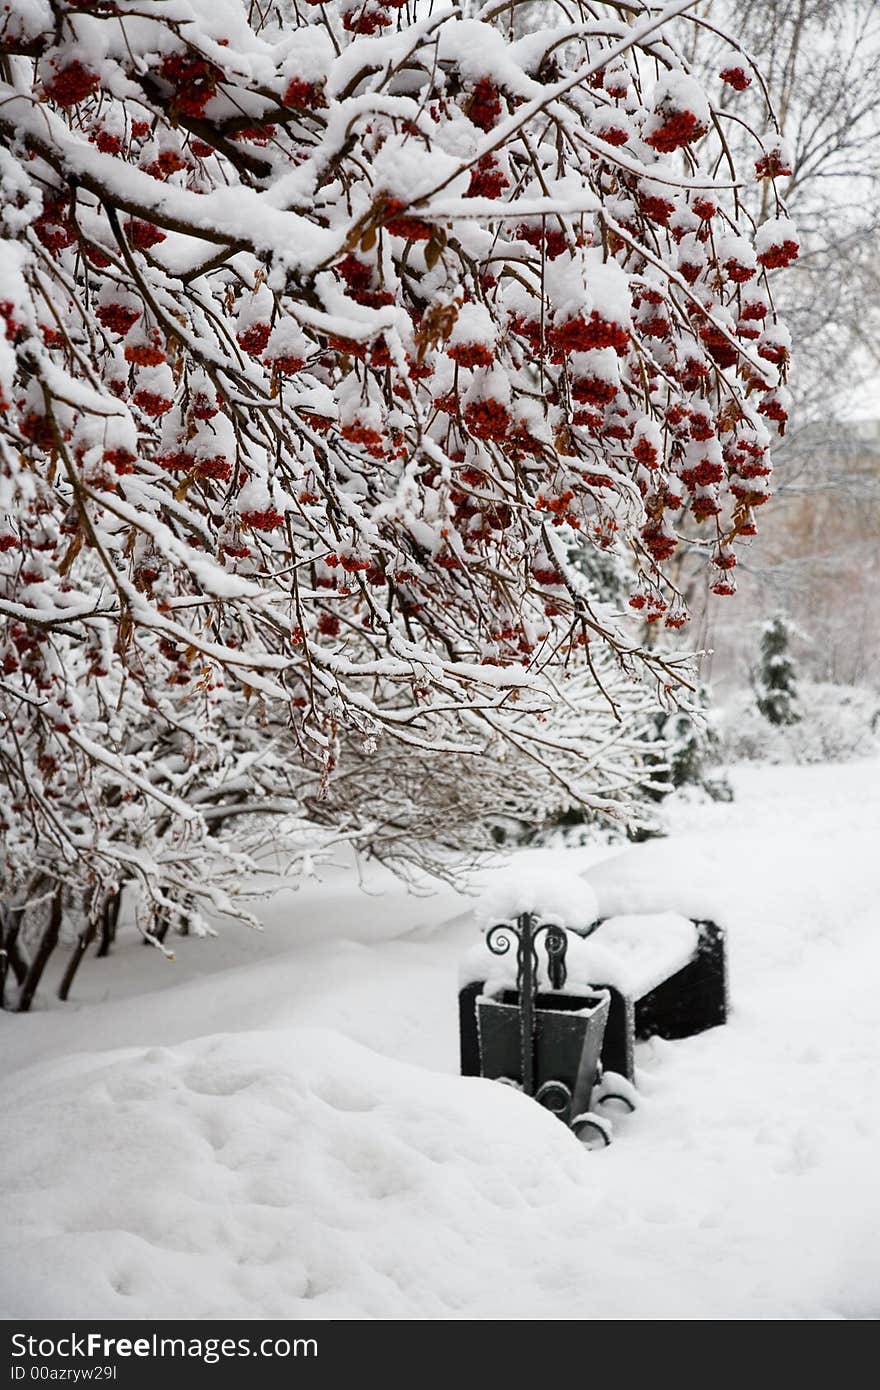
(333, 333)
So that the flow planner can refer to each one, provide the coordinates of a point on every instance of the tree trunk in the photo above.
(159, 930)
(10, 955)
(83, 941)
(109, 920)
(48, 942)
(6, 938)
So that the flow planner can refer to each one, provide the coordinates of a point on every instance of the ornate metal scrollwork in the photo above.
(500, 939)
(525, 933)
(556, 944)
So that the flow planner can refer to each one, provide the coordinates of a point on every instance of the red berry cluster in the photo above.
(53, 227)
(152, 402)
(143, 235)
(656, 208)
(593, 390)
(411, 228)
(772, 166)
(70, 83)
(579, 334)
(471, 354)
(254, 338)
(488, 179)
(365, 19)
(366, 436)
(779, 255)
(266, 519)
(194, 81)
(735, 75)
(147, 352)
(166, 163)
(117, 317)
(484, 106)
(304, 96)
(678, 128)
(107, 141)
(487, 419)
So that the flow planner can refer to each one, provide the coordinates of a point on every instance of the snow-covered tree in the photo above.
(332, 333)
(774, 677)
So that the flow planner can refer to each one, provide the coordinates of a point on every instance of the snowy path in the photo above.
(282, 1132)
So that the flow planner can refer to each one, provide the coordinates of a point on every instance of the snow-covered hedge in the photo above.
(836, 722)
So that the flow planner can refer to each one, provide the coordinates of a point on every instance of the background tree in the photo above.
(774, 677)
(331, 335)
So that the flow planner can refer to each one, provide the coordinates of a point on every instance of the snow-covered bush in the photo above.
(330, 331)
(437, 810)
(836, 722)
(688, 752)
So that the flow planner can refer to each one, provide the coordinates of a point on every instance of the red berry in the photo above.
(107, 141)
(121, 459)
(656, 208)
(370, 439)
(53, 228)
(677, 129)
(488, 180)
(255, 134)
(166, 163)
(772, 165)
(779, 255)
(147, 353)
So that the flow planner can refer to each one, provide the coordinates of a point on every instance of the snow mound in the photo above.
(637, 952)
(291, 1173)
(540, 882)
(277, 1174)
(297, 1174)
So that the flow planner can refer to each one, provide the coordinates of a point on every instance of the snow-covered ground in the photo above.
(273, 1125)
